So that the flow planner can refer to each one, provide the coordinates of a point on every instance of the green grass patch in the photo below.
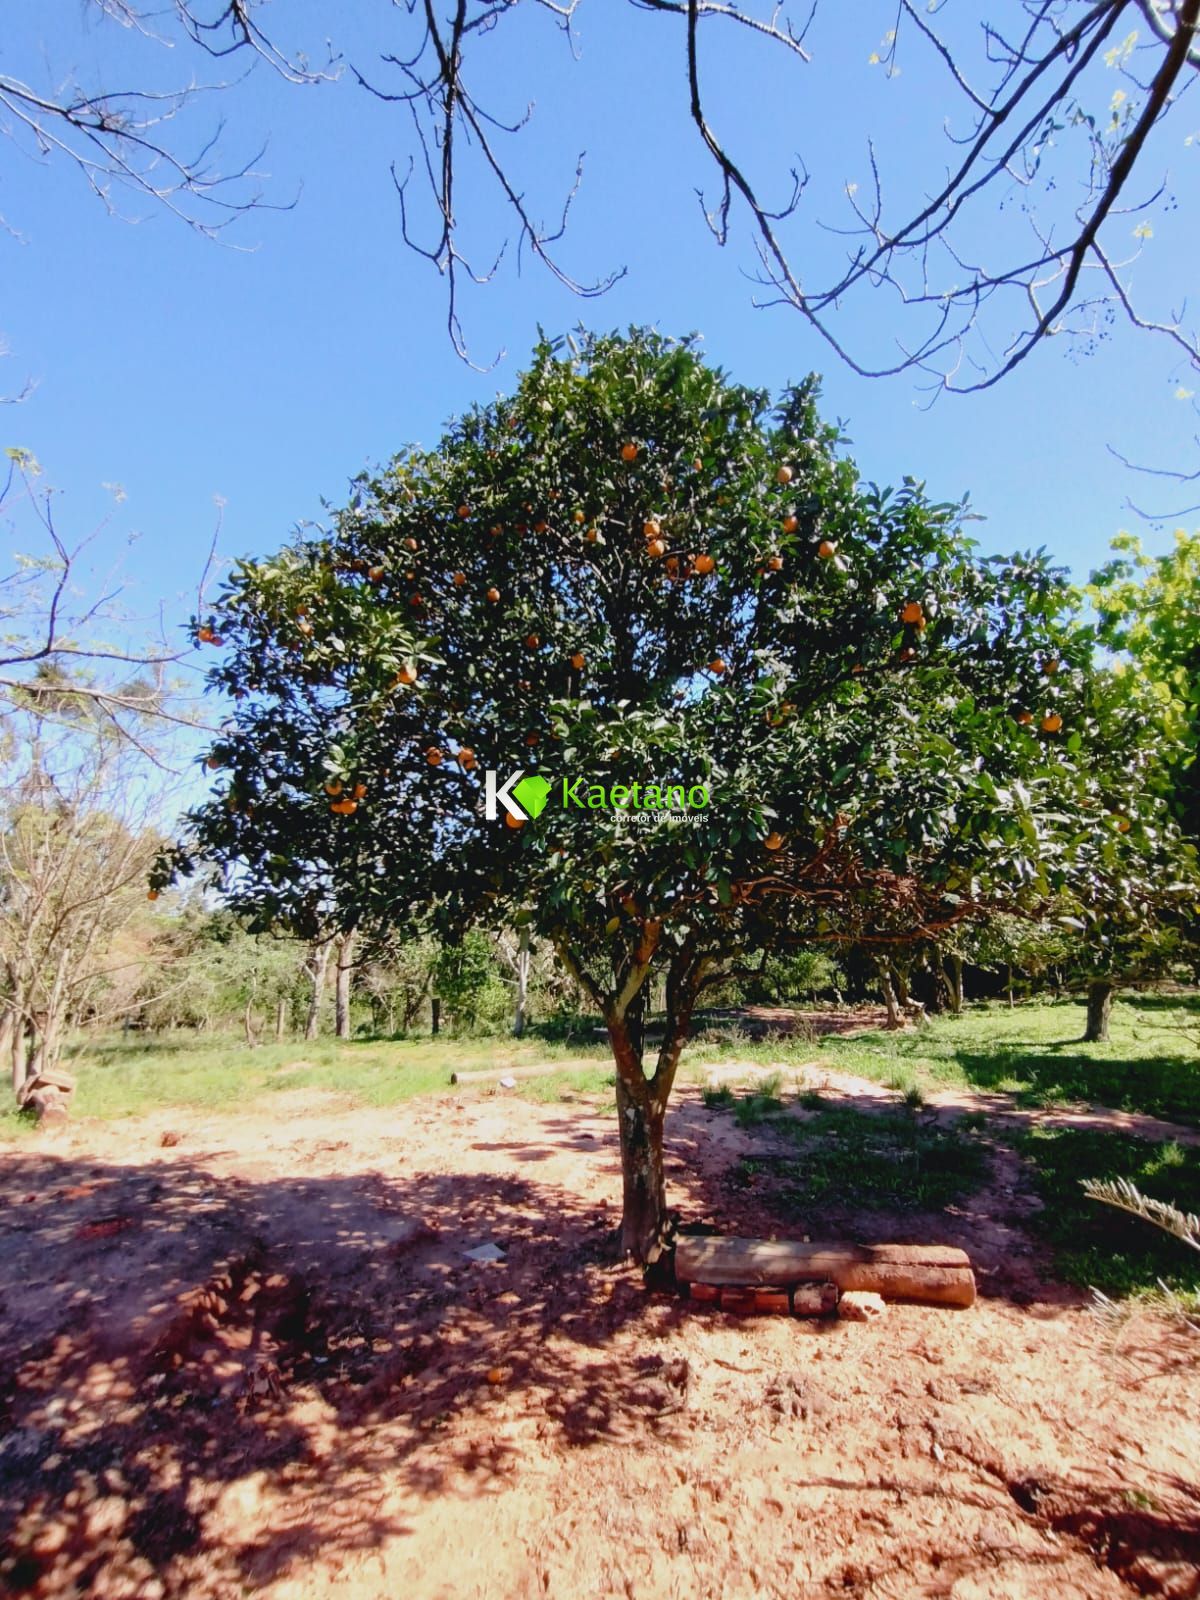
(1032, 1051)
(119, 1077)
(1095, 1246)
(878, 1161)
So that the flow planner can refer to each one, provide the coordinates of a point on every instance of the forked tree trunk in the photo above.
(1099, 1010)
(319, 967)
(345, 970)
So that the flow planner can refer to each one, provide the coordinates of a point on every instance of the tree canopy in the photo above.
(635, 574)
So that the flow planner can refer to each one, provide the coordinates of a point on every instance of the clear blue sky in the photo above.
(268, 374)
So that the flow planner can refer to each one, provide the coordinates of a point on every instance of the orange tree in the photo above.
(754, 702)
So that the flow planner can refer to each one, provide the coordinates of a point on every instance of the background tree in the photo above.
(1150, 613)
(77, 841)
(634, 571)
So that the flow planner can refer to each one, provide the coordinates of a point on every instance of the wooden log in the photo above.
(939, 1274)
(491, 1074)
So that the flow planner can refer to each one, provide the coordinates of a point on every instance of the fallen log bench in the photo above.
(934, 1274)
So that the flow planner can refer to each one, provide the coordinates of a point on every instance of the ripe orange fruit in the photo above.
(344, 808)
(775, 563)
(591, 535)
(705, 564)
(493, 595)
(1024, 718)
(407, 674)
(531, 739)
(716, 665)
(826, 549)
(434, 756)
(578, 516)
(912, 613)
(375, 574)
(774, 841)
(410, 544)
(1050, 666)
(629, 451)
(541, 527)
(577, 660)
(495, 530)
(152, 894)
(334, 786)
(790, 524)
(466, 758)
(464, 511)
(513, 822)
(532, 642)
(459, 579)
(651, 528)
(784, 475)
(213, 763)
(415, 600)
(360, 790)
(205, 636)
(1123, 824)
(655, 549)
(1051, 722)
(304, 625)
(672, 566)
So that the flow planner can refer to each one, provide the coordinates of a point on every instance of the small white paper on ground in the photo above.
(485, 1252)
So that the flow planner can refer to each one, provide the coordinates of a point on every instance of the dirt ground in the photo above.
(256, 1359)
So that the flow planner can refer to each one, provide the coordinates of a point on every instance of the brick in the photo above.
(776, 1300)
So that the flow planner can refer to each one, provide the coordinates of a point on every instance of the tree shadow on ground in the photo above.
(166, 1336)
(1162, 1086)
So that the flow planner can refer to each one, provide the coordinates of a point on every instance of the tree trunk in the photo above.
(248, 1024)
(319, 967)
(281, 1011)
(889, 996)
(955, 964)
(522, 982)
(8, 1025)
(641, 1112)
(644, 1187)
(435, 1016)
(1099, 1009)
(345, 969)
